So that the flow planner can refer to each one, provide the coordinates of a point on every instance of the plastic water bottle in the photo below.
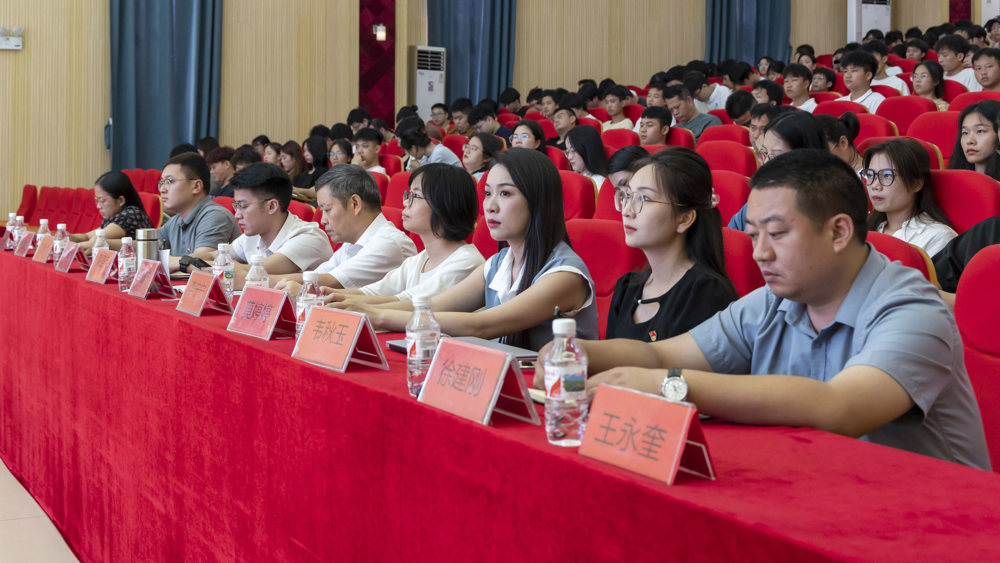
(100, 243)
(566, 402)
(43, 230)
(126, 265)
(257, 276)
(309, 295)
(222, 269)
(422, 335)
(12, 227)
(59, 241)
(21, 229)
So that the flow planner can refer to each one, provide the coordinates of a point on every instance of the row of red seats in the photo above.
(144, 181)
(74, 207)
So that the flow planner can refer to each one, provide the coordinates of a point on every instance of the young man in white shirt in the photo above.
(367, 143)
(882, 77)
(859, 68)
(614, 103)
(707, 97)
(951, 50)
(261, 193)
(797, 80)
(986, 65)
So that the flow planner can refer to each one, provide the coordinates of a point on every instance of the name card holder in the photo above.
(151, 279)
(44, 250)
(71, 255)
(263, 313)
(203, 291)
(8, 236)
(333, 338)
(473, 382)
(102, 264)
(646, 434)
(24, 245)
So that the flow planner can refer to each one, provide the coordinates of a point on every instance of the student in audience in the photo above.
(383, 128)
(739, 74)
(879, 50)
(413, 139)
(182, 148)
(928, 82)
(807, 60)
(768, 92)
(763, 64)
(478, 153)
(951, 261)
(668, 211)
(439, 117)
(681, 105)
(654, 125)
(260, 143)
(292, 161)
(324, 132)
(221, 170)
(976, 143)
(358, 119)
(314, 156)
(206, 145)
(986, 64)
(578, 104)
(841, 339)
(534, 99)
(460, 110)
(440, 207)
(510, 99)
(951, 51)
(839, 134)
(760, 116)
(341, 152)
(528, 134)
(775, 72)
(823, 80)
(563, 120)
(614, 103)
(859, 68)
(897, 174)
(621, 165)
(548, 101)
(796, 86)
(272, 155)
(367, 143)
(654, 96)
(197, 225)
(586, 154)
(707, 97)
(289, 244)
(244, 156)
(341, 131)
(516, 293)
(483, 120)
(738, 107)
(120, 208)
(916, 50)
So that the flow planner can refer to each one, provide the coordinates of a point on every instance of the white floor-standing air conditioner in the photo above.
(427, 73)
(863, 15)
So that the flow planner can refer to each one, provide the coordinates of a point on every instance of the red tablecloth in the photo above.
(151, 435)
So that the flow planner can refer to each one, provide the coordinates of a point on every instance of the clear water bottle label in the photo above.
(421, 348)
(566, 382)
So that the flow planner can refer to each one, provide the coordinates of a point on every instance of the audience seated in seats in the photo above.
(841, 339)
(316, 164)
(340, 153)
(206, 145)
(986, 65)
(577, 103)
(928, 82)
(760, 116)
(916, 50)
(738, 107)
(614, 103)
(951, 50)
(358, 119)
(383, 128)
(622, 165)
(510, 99)
(221, 170)
(668, 211)
(260, 143)
(197, 225)
(738, 74)
(341, 131)
(484, 121)
(859, 68)
(763, 64)
(789, 131)
(413, 139)
(897, 174)
(839, 135)
(324, 132)
(706, 96)
(440, 207)
(775, 71)
(880, 51)
(654, 126)
(439, 116)
(807, 60)
(366, 145)
(272, 155)
(514, 295)
(976, 145)
(768, 92)
(121, 211)
(549, 101)
(244, 156)
(460, 110)
(681, 106)
(292, 160)
(528, 134)
(654, 95)
(534, 100)
(563, 119)
(586, 154)
(796, 86)
(478, 153)
(823, 80)
(289, 244)
(950, 262)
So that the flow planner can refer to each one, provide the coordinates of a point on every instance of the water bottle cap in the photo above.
(100, 232)
(564, 327)
(310, 277)
(20, 217)
(12, 215)
(61, 227)
(126, 240)
(421, 301)
(43, 222)
(257, 259)
(223, 247)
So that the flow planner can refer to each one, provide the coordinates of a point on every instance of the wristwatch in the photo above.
(674, 386)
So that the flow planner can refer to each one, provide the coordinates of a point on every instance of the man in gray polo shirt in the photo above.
(198, 224)
(840, 339)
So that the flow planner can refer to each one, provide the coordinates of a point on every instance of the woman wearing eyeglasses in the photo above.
(928, 82)
(121, 211)
(478, 153)
(528, 134)
(897, 174)
(668, 211)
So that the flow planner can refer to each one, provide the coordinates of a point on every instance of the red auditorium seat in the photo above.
(733, 190)
(740, 265)
(136, 176)
(825, 96)
(29, 199)
(731, 132)
(303, 210)
(154, 207)
(547, 128)
(226, 202)
(455, 142)
(392, 147)
(481, 238)
(722, 115)
(966, 196)
(966, 99)
(599, 114)
(151, 181)
(606, 203)
(952, 90)
(728, 155)
(837, 108)
(680, 137)
(886, 91)
(902, 110)
(900, 251)
(933, 151)
(534, 115)
(618, 138)
(875, 126)
(634, 112)
(653, 149)
(398, 184)
(938, 127)
(393, 164)
(579, 195)
(557, 157)
(588, 121)
(383, 182)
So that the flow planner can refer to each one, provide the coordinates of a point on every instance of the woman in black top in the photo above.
(668, 211)
(316, 164)
(121, 211)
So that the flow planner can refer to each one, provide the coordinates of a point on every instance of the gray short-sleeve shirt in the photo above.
(208, 225)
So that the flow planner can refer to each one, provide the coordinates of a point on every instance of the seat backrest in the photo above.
(900, 251)
(932, 150)
(383, 182)
(579, 195)
(304, 211)
(966, 196)
(398, 184)
(548, 128)
(396, 216)
(728, 155)
(606, 203)
(722, 115)
(653, 149)
(938, 127)
(906, 64)
(618, 138)
(588, 121)
(976, 312)
(154, 207)
(481, 238)
(875, 126)
(952, 89)
(886, 91)
(393, 164)
(733, 190)
(226, 202)
(600, 243)
(137, 176)
(740, 265)
(680, 137)
(634, 112)
(151, 181)
(534, 115)
(599, 114)
(839, 85)
(90, 218)
(507, 119)
(837, 108)
(731, 132)
(557, 157)
(825, 96)
(455, 142)
(392, 147)
(966, 99)
(901, 110)
(29, 199)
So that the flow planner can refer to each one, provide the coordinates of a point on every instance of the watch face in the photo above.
(675, 389)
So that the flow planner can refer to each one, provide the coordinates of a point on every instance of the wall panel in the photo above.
(411, 29)
(560, 41)
(286, 66)
(921, 13)
(825, 38)
(54, 96)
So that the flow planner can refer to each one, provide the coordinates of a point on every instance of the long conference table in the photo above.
(147, 434)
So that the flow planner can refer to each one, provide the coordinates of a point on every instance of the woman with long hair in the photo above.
(121, 211)
(976, 143)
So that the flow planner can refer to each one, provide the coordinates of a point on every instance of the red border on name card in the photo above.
(333, 338)
(203, 290)
(43, 251)
(101, 265)
(24, 245)
(263, 313)
(150, 279)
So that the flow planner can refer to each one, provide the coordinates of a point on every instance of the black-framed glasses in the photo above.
(243, 205)
(884, 177)
(626, 199)
(409, 196)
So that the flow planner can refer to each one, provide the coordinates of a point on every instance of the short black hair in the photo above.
(183, 148)
(876, 46)
(462, 105)
(795, 69)
(675, 72)
(450, 192)
(954, 43)
(919, 44)
(219, 154)
(986, 52)
(761, 110)
(358, 115)
(824, 186)
(341, 131)
(893, 36)
(509, 96)
(658, 113)
(694, 80)
(266, 181)
(534, 94)
(321, 130)
(368, 134)
(206, 144)
(739, 73)
(830, 76)
(738, 103)
(574, 100)
(588, 92)
(875, 34)
(914, 33)
(617, 91)
(244, 154)
(861, 59)
(194, 166)
(774, 91)
(676, 91)
(261, 140)
(480, 113)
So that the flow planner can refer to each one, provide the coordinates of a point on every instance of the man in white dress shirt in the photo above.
(951, 51)
(882, 77)
(797, 80)
(859, 69)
